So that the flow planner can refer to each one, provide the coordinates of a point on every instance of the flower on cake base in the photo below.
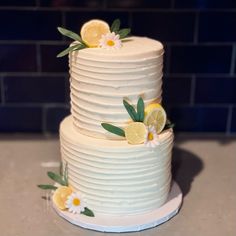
(110, 41)
(151, 139)
(74, 203)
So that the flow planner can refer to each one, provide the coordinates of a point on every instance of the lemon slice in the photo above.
(135, 133)
(155, 115)
(60, 196)
(92, 31)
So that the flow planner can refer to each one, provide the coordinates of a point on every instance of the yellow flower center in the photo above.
(110, 43)
(76, 202)
(150, 136)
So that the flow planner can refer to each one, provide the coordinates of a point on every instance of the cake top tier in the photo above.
(133, 48)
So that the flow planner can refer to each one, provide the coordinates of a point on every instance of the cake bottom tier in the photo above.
(114, 177)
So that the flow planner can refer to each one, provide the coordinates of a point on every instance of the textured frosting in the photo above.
(100, 80)
(114, 177)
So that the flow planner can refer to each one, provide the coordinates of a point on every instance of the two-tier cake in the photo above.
(117, 156)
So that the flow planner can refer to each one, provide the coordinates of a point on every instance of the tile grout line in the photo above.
(229, 120)
(193, 88)
(38, 58)
(172, 4)
(232, 65)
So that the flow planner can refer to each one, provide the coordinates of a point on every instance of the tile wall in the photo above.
(200, 60)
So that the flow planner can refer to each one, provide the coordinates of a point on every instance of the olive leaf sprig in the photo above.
(61, 179)
(136, 116)
(115, 27)
(79, 44)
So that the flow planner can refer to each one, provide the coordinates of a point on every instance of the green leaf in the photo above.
(169, 126)
(115, 27)
(57, 178)
(124, 32)
(70, 49)
(47, 186)
(70, 34)
(113, 129)
(130, 109)
(87, 212)
(65, 174)
(140, 109)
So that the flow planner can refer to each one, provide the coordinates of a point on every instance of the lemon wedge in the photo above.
(92, 31)
(60, 196)
(135, 133)
(155, 115)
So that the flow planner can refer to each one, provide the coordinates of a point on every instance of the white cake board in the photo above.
(132, 223)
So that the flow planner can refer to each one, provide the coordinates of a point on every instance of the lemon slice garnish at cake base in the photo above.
(155, 115)
(60, 196)
(135, 133)
(92, 31)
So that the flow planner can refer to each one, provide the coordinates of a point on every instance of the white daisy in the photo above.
(151, 139)
(110, 41)
(74, 203)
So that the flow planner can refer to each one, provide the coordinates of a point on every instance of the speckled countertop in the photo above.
(205, 169)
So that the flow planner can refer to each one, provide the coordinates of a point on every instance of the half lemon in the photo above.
(92, 31)
(135, 133)
(155, 115)
(60, 196)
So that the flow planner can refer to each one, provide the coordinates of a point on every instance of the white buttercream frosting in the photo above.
(115, 177)
(112, 176)
(100, 80)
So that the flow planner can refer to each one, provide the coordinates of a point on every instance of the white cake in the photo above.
(112, 176)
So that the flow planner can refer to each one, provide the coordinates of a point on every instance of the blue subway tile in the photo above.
(201, 59)
(164, 26)
(215, 90)
(39, 89)
(54, 115)
(233, 120)
(21, 3)
(74, 20)
(29, 25)
(49, 61)
(206, 4)
(217, 27)
(20, 119)
(72, 3)
(139, 4)
(17, 58)
(199, 119)
(176, 90)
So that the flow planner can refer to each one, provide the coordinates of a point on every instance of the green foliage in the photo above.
(87, 212)
(47, 186)
(113, 129)
(140, 110)
(71, 49)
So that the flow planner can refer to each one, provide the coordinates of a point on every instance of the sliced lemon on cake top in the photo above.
(155, 115)
(60, 196)
(135, 133)
(92, 31)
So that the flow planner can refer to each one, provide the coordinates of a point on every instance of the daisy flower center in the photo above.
(110, 43)
(150, 136)
(76, 202)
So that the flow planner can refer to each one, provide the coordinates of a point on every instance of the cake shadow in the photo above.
(185, 167)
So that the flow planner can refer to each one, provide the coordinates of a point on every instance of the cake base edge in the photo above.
(115, 224)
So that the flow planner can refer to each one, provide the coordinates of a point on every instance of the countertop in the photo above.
(204, 168)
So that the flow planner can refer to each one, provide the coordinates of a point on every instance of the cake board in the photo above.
(116, 224)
